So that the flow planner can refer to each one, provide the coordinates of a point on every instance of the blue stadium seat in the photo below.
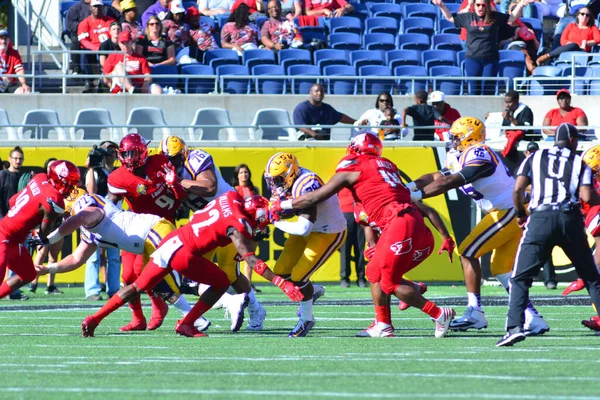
(302, 85)
(325, 57)
(447, 41)
(449, 87)
(234, 86)
(165, 70)
(512, 55)
(341, 86)
(345, 24)
(359, 58)
(210, 21)
(403, 57)
(594, 84)
(578, 86)
(581, 58)
(269, 86)
(386, 10)
(381, 25)
(198, 85)
(460, 58)
(431, 58)
(409, 86)
(345, 41)
(221, 19)
(218, 57)
(510, 69)
(447, 26)
(420, 10)
(538, 28)
(453, 7)
(414, 41)
(260, 21)
(250, 58)
(288, 57)
(417, 25)
(375, 86)
(310, 33)
(546, 86)
(379, 41)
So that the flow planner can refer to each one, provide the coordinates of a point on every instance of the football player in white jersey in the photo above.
(201, 178)
(477, 171)
(314, 237)
(103, 224)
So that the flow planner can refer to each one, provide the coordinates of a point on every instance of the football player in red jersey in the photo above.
(149, 186)
(405, 241)
(224, 220)
(41, 202)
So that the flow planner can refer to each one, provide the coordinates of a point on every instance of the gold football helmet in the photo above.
(592, 158)
(466, 132)
(175, 148)
(282, 171)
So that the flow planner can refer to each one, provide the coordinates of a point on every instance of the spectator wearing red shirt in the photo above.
(276, 33)
(581, 35)
(327, 8)
(134, 65)
(239, 33)
(355, 240)
(201, 35)
(11, 65)
(438, 100)
(564, 113)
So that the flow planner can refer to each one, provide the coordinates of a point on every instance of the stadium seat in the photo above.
(545, 86)
(259, 23)
(94, 116)
(420, 10)
(210, 21)
(431, 58)
(379, 41)
(209, 122)
(386, 10)
(593, 84)
(512, 55)
(63, 9)
(410, 86)
(374, 86)
(341, 86)
(453, 7)
(414, 41)
(311, 33)
(581, 58)
(165, 70)
(447, 26)
(382, 25)
(417, 25)
(152, 117)
(302, 85)
(447, 41)
(272, 116)
(272, 85)
(289, 57)
(578, 84)
(325, 57)
(403, 57)
(232, 85)
(537, 27)
(221, 19)
(510, 69)
(450, 87)
(358, 58)
(345, 41)
(41, 117)
(345, 24)
(460, 58)
(218, 57)
(250, 58)
(200, 85)
(10, 133)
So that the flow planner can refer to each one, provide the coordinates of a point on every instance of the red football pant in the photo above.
(403, 245)
(132, 266)
(15, 257)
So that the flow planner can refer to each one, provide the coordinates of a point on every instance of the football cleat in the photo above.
(574, 286)
(235, 310)
(301, 329)
(442, 323)
(473, 319)
(188, 330)
(592, 323)
(202, 324)
(403, 306)
(88, 326)
(511, 338)
(377, 329)
(134, 325)
(158, 315)
(256, 319)
(318, 292)
(535, 325)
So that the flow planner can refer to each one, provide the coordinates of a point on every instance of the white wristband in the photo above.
(412, 186)
(52, 268)
(286, 205)
(54, 237)
(416, 196)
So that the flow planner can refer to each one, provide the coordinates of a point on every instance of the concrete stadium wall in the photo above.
(179, 110)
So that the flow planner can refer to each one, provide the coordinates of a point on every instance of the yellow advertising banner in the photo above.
(413, 162)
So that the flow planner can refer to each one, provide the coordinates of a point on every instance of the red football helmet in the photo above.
(365, 143)
(64, 176)
(257, 207)
(133, 151)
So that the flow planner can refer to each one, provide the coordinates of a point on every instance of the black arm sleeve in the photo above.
(472, 173)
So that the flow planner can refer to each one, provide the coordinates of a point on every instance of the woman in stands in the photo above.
(581, 35)
(564, 113)
(174, 26)
(154, 47)
(374, 116)
(239, 33)
(482, 25)
(201, 35)
(130, 21)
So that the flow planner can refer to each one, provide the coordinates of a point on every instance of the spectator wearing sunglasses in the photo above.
(580, 35)
(374, 116)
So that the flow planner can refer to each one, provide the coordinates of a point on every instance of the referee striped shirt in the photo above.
(555, 175)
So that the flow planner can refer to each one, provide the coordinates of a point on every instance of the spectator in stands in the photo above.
(523, 39)
(438, 100)
(130, 19)
(276, 33)
(239, 33)
(11, 65)
(355, 239)
(154, 47)
(390, 120)
(482, 27)
(373, 116)
(291, 9)
(160, 9)
(92, 31)
(174, 26)
(256, 8)
(327, 8)
(134, 65)
(201, 35)
(111, 44)
(423, 115)
(214, 7)
(581, 35)
(564, 113)
(314, 112)
(515, 114)
(140, 5)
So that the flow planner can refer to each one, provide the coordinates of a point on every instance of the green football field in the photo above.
(43, 355)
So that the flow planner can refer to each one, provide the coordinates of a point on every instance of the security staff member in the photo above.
(558, 177)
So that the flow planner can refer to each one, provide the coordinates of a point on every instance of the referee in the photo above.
(558, 178)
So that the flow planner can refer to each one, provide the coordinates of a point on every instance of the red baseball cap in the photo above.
(561, 91)
(125, 37)
(192, 12)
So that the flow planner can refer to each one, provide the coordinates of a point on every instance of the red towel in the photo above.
(308, 20)
(513, 139)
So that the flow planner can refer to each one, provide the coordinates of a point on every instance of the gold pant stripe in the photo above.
(476, 244)
(336, 244)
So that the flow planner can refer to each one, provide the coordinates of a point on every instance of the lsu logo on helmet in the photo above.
(465, 132)
(592, 158)
(282, 171)
(173, 145)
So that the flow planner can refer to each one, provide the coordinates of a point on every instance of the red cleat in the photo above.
(88, 326)
(403, 306)
(158, 315)
(574, 286)
(134, 325)
(592, 323)
(188, 330)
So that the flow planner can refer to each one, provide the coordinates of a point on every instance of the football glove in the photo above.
(448, 245)
(291, 291)
(275, 209)
(37, 241)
